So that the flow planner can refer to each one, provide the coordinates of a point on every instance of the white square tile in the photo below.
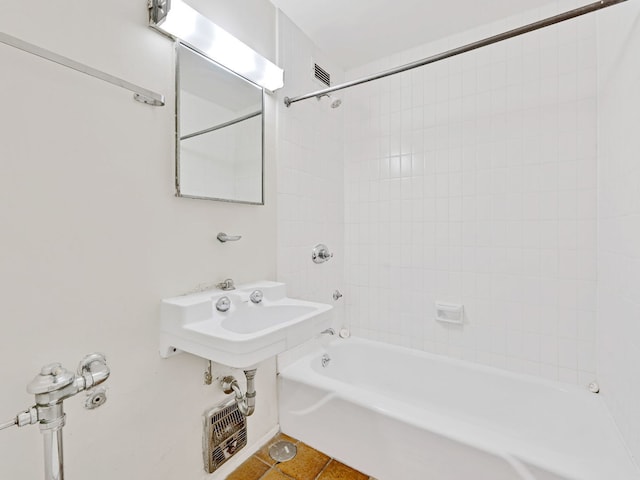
(567, 353)
(500, 180)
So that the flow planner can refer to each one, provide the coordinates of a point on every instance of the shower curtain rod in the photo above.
(547, 22)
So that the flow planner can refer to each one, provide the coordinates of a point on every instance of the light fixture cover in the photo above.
(178, 20)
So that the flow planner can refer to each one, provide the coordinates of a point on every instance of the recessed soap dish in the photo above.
(450, 313)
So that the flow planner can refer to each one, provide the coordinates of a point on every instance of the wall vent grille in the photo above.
(322, 75)
(225, 433)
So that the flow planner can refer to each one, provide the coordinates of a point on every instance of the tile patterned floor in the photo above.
(308, 464)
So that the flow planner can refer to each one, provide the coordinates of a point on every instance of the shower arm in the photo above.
(547, 22)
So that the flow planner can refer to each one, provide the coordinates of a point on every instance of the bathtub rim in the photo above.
(309, 349)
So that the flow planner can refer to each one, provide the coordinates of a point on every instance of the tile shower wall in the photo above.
(473, 181)
(310, 175)
(619, 216)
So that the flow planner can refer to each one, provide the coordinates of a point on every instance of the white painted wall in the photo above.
(310, 175)
(93, 238)
(619, 217)
(473, 181)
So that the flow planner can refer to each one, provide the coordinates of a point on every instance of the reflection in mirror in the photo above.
(219, 132)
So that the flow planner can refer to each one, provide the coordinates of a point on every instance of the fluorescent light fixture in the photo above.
(178, 20)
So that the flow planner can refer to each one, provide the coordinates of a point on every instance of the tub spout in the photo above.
(328, 331)
(246, 402)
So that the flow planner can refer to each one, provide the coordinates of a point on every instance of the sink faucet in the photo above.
(226, 285)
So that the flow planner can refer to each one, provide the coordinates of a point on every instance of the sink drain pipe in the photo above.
(246, 402)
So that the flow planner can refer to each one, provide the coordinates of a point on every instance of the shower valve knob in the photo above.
(321, 254)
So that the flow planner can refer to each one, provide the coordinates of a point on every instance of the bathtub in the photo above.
(400, 414)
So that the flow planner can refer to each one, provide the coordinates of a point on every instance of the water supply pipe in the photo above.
(8, 424)
(247, 402)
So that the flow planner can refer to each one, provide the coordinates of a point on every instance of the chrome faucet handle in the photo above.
(226, 285)
(223, 237)
(256, 296)
(223, 304)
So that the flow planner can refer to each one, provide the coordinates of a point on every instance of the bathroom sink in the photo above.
(250, 319)
(247, 333)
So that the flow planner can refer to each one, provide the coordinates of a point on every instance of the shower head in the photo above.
(335, 103)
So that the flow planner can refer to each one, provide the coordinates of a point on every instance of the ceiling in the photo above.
(355, 32)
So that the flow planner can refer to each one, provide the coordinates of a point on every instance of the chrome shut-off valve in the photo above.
(55, 383)
(51, 387)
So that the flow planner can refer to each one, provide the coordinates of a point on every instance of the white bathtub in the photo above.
(400, 414)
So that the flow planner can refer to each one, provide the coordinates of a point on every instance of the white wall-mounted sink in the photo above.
(247, 333)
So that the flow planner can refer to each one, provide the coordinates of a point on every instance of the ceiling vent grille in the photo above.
(322, 75)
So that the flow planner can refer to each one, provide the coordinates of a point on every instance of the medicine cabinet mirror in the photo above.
(219, 131)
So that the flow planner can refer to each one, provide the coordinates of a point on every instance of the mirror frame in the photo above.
(178, 44)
